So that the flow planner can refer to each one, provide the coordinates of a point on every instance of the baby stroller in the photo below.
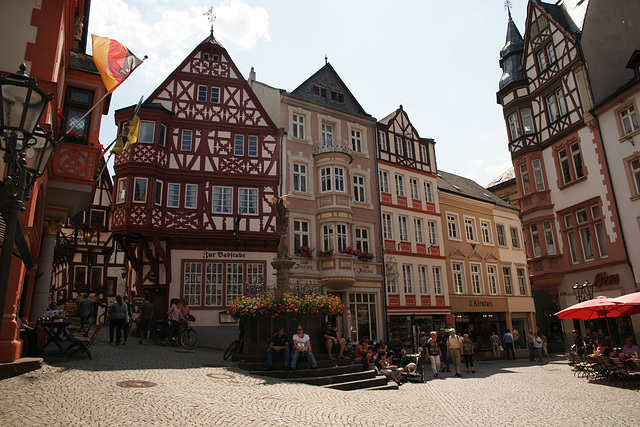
(413, 368)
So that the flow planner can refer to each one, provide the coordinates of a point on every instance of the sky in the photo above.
(439, 59)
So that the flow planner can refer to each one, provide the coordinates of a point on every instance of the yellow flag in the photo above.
(128, 136)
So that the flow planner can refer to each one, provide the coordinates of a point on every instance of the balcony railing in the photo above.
(332, 146)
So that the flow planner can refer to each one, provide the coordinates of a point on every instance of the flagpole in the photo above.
(105, 164)
(99, 102)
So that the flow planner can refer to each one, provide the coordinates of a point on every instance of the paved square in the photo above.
(197, 388)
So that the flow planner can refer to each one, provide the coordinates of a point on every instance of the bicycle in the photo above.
(185, 335)
(105, 316)
(235, 347)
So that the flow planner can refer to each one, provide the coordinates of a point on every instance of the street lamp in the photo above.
(583, 292)
(27, 151)
(87, 235)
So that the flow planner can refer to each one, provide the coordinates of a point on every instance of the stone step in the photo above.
(248, 358)
(390, 386)
(334, 379)
(278, 364)
(359, 384)
(320, 372)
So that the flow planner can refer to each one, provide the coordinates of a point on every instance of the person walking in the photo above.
(442, 340)
(433, 348)
(537, 347)
(118, 311)
(84, 310)
(146, 321)
(495, 344)
(127, 319)
(454, 347)
(507, 340)
(467, 353)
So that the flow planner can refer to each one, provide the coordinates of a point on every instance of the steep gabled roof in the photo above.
(327, 78)
(465, 187)
(82, 62)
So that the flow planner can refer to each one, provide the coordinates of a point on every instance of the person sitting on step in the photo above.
(332, 338)
(279, 344)
(302, 345)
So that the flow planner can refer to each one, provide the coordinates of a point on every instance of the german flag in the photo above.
(114, 61)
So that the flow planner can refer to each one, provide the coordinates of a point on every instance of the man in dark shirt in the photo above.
(279, 345)
(442, 343)
(332, 338)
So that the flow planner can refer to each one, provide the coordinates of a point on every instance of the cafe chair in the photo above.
(82, 343)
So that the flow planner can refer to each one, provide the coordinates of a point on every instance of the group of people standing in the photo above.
(122, 316)
(536, 344)
(446, 350)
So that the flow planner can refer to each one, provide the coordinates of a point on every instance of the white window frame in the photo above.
(470, 229)
(173, 190)
(214, 96)
(186, 140)
(382, 141)
(424, 279)
(409, 150)
(234, 281)
(538, 176)
(428, 192)
(384, 181)
(238, 145)
(403, 226)
(327, 237)
(407, 279)
(417, 226)
(387, 226)
(506, 278)
(297, 126)
(522, 281)
(432, 227)
(327, 135)
(142, 197)
(535, 240)
(359, 189)
(453, 226)
(203, 93)
(356, 140)
(549, 239)
(436, 273)
(515, 237)
(475, 270)
(362, 239)
(301, 233)
(415, 189)
(300, 178)
(341, 236)
(457, 272)
(485, 231)
(492, 279)
(399, 146)
(192, 282)
(252, 146)
(191, 196)
(399, 185)
(248, 201)
(223, 195)
(502, 237)
(147, 131)
(213, 284)
(629, 120)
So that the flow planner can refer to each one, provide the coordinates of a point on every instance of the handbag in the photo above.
(500, 348)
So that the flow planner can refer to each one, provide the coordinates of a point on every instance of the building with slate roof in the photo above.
(329, 173)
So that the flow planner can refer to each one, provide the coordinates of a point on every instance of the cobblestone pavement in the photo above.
(197, 388)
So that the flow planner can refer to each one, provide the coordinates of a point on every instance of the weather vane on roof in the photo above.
(211, 17)
(508, 6)
(326, 59)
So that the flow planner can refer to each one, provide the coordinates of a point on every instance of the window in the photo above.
(400, 185)
(542, 60)
(514, 126)
(158, 198)
(338, 179)
(121, 191)
(538, 177)
(186, 141)
(190, 196)
(502, 241)
(162, 142)
(629, 120)
(493, 279)
(332, 178)
(437, 282)
(362, 239)
(515, 237)
(358, 189)
(485, 230)
(409, 149)
(298, 126)
(382, 140)
(202, 93)
(387, 227)
(140, 190)
(417, 225)
(327, 135)
(548, 237)
(424, 153)
(146, 131)
(428, 192)
(300, 177)
(433, 235)
(327, 237)
(407, 279)
(506, 278)
(452, 226)
(535, 240)
(252, 149)
(192, 282)
(222, 199)
(399, 147)
(415, 191)
(255, 273)
(470, 229)
(215, 95)
(556, 105)
(235, 283)
(524, 177)
(173, 196)
(341, 236)
(356, 140)
(248, 200)
(404, 228)
(301, 235)
(80, 274)
(570, 159)
(599, 231)
(522, 281)
(384, 182)
(476, 279)
(527, 121)
(571, 239)
(458, 277)
(213, 285)
(634, 168)
(76, 104)
(562, 106)
(392, 287)
(424, 283)
(551, 53)
(238, 145)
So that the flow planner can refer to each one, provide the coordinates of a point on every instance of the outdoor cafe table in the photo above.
(53, 330)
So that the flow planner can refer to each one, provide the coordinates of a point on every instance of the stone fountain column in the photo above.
(283, 262)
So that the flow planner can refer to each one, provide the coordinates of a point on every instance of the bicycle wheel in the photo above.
(231, 350)
(189, 339)
(160, 337)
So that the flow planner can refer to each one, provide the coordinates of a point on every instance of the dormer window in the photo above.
(546, 57)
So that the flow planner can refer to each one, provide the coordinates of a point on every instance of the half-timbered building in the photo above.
(329, 172)
(547, 91)
(415, 274)
(193, 197)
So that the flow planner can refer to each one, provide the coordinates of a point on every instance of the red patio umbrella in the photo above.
(631, 303)
(597, 308)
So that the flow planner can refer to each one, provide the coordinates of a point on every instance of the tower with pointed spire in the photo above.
(511, 56)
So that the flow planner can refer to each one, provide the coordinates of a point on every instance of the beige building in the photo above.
(486, 264)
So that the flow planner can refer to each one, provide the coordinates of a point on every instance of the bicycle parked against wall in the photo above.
(178, 333)
(235, 347)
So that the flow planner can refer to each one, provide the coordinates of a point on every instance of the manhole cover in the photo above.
(136, 384)
(220, 376)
